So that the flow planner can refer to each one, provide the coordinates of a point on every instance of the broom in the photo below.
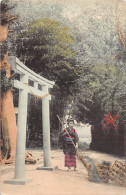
(94, 171)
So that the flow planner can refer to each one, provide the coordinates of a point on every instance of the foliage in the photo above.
(6, 84)
(100, 89)
(46, 48)
(49, 42)
(34, 121)
(98, 41)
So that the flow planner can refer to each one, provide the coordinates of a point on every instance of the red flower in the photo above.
(109, 120)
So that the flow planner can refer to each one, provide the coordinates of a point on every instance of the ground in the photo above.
(60, 182)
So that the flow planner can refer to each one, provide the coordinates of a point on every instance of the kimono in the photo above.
(68, 147)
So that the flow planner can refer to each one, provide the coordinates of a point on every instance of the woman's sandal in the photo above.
(69, 169)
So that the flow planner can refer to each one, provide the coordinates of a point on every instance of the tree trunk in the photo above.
(5, 147)
(8, 119)
(7, 112)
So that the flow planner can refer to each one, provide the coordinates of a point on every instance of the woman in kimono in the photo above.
(68, 147)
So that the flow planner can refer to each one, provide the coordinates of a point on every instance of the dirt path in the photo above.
(59, 182)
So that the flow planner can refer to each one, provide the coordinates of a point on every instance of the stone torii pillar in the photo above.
(46, 128)
(21, 134)
(46, 132)
(19, 174)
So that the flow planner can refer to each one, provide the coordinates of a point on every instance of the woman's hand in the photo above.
(76, 145)
(65, 133)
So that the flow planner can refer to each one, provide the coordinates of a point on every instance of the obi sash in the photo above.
(67, 139)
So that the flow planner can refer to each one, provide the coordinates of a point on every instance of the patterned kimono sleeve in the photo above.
(76, 137)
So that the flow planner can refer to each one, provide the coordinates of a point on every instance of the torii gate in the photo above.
(25, 75)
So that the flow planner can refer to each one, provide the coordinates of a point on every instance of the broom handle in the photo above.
(69, 136)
